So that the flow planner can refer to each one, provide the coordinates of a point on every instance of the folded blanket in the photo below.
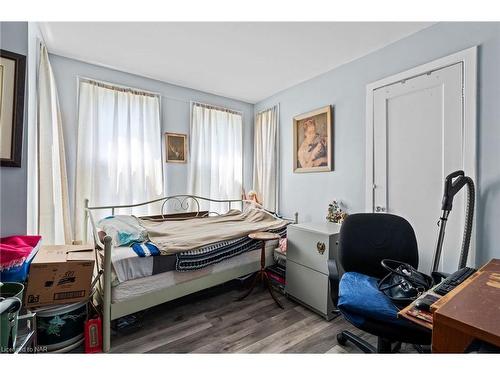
(14, 250)
(172, 237)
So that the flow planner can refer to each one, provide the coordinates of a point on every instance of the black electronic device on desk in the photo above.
(424, 303)
(454, 280)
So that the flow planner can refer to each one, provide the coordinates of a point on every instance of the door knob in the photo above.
(379, 209)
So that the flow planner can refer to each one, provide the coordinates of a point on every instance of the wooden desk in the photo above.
(470, 311)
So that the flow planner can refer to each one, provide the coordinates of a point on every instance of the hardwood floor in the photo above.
(213, 322)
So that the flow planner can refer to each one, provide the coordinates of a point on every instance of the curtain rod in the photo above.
(212, 106)
(112, 85)
(268, 108)
(118, 87)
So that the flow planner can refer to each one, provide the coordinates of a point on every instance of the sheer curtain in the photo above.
(54, 223)
(119, 159)
(265, 162)
(216, 159)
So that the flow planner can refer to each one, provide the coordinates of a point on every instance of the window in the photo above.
(216, 160)
(119, 159)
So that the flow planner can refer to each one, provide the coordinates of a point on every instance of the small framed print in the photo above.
(176, 147)
(12, 78)
(313, 141)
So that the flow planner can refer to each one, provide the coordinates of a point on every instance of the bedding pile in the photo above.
(186, 245)
(173, 237)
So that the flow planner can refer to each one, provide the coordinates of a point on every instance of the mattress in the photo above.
(140, 286)
(128, 266)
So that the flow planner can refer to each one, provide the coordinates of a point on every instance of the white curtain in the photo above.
(119, 159)
(54, 223)
(216, 155)
(265, 162)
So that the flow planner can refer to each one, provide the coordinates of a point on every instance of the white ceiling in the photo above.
(246, 61)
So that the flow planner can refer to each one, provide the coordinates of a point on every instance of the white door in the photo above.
(418, 141)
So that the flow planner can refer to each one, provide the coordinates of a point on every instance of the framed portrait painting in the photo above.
(176, 147)
(12, 76)
(313, 141)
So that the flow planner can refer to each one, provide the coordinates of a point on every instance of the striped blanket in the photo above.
(196, 259)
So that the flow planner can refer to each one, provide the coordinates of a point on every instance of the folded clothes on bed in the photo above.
(124, 230)
(145, 249)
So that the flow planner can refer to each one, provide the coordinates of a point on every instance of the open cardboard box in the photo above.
(60, 274)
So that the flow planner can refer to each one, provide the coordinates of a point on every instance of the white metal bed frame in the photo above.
(114, 310)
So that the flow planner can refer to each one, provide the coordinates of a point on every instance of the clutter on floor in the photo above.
(60, 274)
(49, 287)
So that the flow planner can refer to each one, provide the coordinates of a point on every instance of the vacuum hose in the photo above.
(469, 216)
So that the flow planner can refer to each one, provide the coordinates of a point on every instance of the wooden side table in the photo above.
(261, 275)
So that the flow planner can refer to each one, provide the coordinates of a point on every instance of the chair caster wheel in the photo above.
(341, 339)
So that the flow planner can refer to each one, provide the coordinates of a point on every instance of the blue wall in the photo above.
(175, 115)
(14, 38)
(345, 89)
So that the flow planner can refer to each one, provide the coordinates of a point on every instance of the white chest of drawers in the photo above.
(309, 247)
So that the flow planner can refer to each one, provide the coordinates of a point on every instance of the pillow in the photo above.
(124, 230)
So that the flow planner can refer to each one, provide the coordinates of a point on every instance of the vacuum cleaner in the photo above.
(453, 183)
(404, 284)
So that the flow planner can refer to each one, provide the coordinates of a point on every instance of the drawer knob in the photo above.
(321, 247)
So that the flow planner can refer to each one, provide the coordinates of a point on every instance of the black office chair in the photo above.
(366, 239)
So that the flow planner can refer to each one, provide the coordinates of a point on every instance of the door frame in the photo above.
(468, 58)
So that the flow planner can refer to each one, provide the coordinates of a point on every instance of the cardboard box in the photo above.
(60, 274)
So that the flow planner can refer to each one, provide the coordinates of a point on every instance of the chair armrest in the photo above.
(334, 277)
(333, 272)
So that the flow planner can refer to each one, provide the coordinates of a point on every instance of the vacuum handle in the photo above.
(452, 185)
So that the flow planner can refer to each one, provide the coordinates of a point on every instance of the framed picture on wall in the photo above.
(313, 141)
(176, 147)
(12, 75)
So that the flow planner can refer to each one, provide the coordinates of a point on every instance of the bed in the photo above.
(129, 282)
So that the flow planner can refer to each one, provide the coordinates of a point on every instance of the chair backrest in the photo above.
(366, 239)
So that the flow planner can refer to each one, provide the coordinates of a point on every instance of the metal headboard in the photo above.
(183, 203)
